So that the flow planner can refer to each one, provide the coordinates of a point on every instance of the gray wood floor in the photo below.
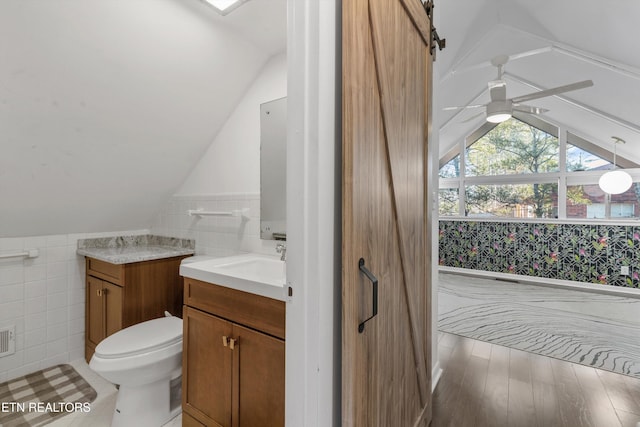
(598, 330)
(485, 384)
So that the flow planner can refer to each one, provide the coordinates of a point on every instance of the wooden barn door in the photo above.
(386, 362)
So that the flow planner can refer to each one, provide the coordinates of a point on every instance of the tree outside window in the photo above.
(513, 147)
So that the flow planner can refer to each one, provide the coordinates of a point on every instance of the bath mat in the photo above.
(39, 398)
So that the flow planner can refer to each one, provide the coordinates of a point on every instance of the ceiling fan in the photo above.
(501, 108)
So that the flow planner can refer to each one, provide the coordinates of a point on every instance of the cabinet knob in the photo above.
(225, 340)
(99, 292)
(232, 343)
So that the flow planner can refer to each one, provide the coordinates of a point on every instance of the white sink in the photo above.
(258, 274)
(267, 270)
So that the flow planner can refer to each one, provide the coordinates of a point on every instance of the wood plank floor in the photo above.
(488, 385)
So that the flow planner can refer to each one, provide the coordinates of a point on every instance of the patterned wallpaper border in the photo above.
(577, 252)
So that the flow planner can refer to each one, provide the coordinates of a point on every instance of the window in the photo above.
(449, 202)
(590, 202)
(521, 168)
(582, 201)
(517, 201)
(451, 169)
(618, 210)
(582, 160)
(512, 147)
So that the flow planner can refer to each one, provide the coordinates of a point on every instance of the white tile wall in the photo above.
(44, 298)
(215, 235)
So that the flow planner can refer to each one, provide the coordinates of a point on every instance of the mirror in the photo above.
(273, 169)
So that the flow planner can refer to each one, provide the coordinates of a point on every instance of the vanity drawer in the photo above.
(257, 312)
(113, 273)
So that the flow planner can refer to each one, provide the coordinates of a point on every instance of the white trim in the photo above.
(433, 158)
(579, 221)
(572, 178)
(529, 178)
(562, 179)
(436, 374)
(312, 363)
(542, 281)
(220, 196)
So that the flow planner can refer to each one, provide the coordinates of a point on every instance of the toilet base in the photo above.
(148, 405)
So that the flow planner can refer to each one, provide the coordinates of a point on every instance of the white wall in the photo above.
(44, 298)
(109, 104)
(432, 203)
(313, 215)
(232, 162)
(227, 178)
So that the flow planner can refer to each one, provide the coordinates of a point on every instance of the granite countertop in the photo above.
(128, 249)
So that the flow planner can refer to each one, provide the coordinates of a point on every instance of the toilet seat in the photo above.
(141, 338)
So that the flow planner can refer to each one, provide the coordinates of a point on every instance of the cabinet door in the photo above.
(112, 295)
(259, 373)
(206, 367)
(95, 313)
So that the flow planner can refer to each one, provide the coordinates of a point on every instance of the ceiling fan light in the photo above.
(615, 182)
(498, 111)
(498, 117)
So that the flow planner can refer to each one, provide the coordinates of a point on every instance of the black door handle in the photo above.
(374, 282)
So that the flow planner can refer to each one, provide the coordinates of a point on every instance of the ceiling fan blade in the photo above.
(529, 109)
(462, 108)
(475, 116)
(553, 91)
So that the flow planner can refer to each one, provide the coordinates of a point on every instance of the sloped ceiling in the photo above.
(550, 43)
(105, 106)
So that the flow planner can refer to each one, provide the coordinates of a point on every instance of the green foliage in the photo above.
(576, 195)
(512, 147)
(448, 203)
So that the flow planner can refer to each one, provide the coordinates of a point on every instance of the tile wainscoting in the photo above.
(215, 235)
(44, 298)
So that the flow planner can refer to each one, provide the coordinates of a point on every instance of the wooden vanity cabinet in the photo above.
(104, 312)
(121, 295)
(233, 357)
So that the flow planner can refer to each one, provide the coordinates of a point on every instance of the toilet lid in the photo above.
(141, 338)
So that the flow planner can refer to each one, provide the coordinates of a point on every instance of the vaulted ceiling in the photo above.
(549, 43)
(106, 106)
(110, 104)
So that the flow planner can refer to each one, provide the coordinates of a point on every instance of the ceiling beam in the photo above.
(583, 55)
(552, 46)
(609, 117)
(486, 64)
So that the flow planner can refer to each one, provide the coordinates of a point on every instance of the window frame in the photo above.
(562, 178)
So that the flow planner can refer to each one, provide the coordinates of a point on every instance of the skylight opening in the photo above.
(224, 7)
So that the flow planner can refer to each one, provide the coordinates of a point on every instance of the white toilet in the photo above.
(143, 360)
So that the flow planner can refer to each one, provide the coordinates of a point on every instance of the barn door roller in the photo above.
(435, 39)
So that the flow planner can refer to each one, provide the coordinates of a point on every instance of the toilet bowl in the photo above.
(143, 360)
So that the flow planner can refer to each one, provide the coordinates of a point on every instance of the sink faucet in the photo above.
(281, 248)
